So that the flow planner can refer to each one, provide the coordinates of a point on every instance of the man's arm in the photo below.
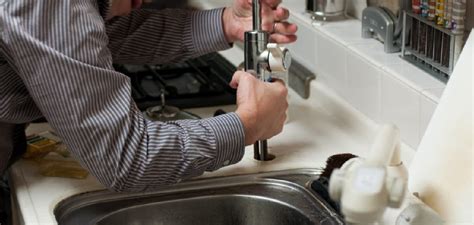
(59, 48)
(163, 36)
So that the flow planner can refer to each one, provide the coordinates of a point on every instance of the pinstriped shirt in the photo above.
(56, 61)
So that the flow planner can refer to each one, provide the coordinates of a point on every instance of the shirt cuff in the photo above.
(208, 31)
(230, 139)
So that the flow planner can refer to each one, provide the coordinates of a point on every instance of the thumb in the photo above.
(234, 83)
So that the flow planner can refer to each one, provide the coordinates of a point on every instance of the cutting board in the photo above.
(442, 169)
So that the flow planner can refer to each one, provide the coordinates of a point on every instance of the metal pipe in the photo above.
(256, 43)
(257, 16)
(260, 150)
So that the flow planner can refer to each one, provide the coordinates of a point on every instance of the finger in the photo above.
(278, 80)
(267, 19)
(280, 87)
(234, 83)
(285, 28)
(272, 3)
(238, 75)
(281, 14)
(282, 38)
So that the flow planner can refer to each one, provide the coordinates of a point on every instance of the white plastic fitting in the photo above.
(365, 188)
(279, 58)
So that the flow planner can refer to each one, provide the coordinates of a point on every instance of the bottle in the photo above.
(448, 12)
(415, 5)
(424, 8)
(459, 13)
(440, 12)
(431, 10)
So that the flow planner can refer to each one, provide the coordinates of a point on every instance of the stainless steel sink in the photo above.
(277, 198)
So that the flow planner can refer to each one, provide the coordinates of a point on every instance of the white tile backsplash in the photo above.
(363, 85)
(427, 108)
(375, 54)
(414, 76)
(304, 50)
(434, 93)
(331, 63)
(383, 86)
(346, 33)
(401, 106)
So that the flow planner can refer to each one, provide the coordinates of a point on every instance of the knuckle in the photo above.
(248, 77)
(283, 90)
(242, 73)
(237, 73)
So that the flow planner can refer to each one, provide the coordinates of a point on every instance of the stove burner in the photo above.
(199, 82)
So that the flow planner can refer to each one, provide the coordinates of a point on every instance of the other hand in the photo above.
(238, 19)
(261, 106)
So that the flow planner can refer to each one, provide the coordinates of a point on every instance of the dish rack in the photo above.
(429, 46)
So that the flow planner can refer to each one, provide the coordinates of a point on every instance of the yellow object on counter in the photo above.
(50, 167)
(39, 146)
(58, 163)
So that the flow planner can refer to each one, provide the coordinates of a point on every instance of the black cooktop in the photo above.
(199, 82)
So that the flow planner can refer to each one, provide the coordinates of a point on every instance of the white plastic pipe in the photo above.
(386, 143)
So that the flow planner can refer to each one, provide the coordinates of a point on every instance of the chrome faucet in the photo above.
(262, 57)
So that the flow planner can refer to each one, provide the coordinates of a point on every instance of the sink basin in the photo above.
(276, 198)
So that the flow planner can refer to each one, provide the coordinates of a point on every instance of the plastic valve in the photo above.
(279, 58)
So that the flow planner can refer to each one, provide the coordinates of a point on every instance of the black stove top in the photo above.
(199, 82)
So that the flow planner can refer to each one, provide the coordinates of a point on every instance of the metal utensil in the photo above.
(165, 112)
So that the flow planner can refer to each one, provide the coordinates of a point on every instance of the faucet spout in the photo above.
(256, 15)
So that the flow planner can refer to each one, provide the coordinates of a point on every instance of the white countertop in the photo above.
(319, 127)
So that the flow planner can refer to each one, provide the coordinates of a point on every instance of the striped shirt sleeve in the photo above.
(170, 35)
(60, 50)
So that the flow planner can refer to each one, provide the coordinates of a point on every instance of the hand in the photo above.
(238, 19)
(261, 106)
(122, 7)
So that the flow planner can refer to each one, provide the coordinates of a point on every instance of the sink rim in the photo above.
(206, 197)
(298, 179)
